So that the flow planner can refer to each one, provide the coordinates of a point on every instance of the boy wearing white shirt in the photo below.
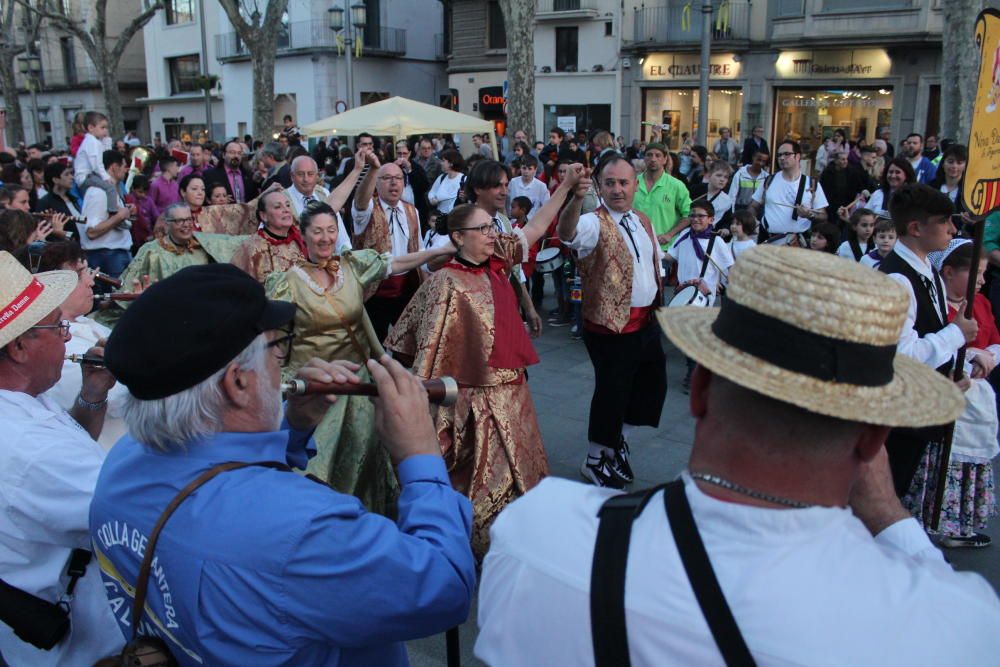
(706, 268)
(528, 186)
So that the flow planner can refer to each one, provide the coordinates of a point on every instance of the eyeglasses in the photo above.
(181, 221)
(482, 229)
(785, 154)
(699, 216)
(63, 327)
(283, 345)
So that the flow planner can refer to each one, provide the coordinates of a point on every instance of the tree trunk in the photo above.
(960, 62)
(263, 90)
(109, 86)
(519, 18)
(12, 100)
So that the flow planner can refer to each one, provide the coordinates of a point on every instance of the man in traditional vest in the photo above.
(305, 177)
(922, 217)
(386, 223)
(619, 263)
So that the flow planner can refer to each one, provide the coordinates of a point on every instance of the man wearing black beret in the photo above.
(260, 565)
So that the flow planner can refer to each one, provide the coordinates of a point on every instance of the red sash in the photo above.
(293, 236)
(638, 318)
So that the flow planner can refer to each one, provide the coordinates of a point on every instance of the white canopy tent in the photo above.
(400, 117)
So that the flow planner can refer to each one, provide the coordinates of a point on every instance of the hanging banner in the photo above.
(981, 192)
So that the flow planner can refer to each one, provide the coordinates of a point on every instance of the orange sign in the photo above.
(981, 193)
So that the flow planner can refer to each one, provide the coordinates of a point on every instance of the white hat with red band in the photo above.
(26, 299)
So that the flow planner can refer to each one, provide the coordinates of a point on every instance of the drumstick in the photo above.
(777, 203)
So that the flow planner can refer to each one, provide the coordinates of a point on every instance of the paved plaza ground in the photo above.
(561, 385)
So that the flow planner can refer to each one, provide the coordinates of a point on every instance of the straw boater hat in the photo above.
(26, 299)
(819, 332)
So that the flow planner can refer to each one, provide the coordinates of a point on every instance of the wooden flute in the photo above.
(440, 391)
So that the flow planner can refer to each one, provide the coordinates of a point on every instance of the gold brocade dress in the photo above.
(260, 259)
(331, 324)
(489, 438)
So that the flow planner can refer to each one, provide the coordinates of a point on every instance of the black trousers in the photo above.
(630, 382)
(905, 450)
(384, 312)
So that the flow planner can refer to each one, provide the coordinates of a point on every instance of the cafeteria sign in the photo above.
(981, 194)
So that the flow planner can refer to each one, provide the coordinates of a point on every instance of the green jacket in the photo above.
(665, 204)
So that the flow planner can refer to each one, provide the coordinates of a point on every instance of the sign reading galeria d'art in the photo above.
(840, 64)
(981, 191)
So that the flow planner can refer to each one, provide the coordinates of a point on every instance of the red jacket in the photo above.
(982, 312)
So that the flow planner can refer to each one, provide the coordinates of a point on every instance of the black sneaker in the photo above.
(601, 472)
(620, 464)
(974, 541)
(574, 332)
(559, 322)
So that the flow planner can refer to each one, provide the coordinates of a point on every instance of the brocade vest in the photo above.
(606, 274)
(377, 236)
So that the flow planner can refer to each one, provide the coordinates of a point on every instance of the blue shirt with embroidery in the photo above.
(266, 567)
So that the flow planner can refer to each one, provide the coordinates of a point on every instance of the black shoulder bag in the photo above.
(607, 583)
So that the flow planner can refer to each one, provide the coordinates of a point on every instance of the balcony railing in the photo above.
(567, 6)
(680, 23)
(83, 76)
(306, 35)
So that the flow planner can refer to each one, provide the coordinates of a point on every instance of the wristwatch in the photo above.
(87, 405)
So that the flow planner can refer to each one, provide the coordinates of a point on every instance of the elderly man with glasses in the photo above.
(49, 463)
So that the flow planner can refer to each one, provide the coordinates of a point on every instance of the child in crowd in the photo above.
(520, 210)
(716, 194)
(145, 217)
(744, 231)
(88, 166)
(885, 240)
(969, 499)
(527, 185)
(703, 259)
(825, 237)
(217, 195)
(860, 233)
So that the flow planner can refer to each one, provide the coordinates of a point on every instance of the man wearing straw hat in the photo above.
(786, 506)
(49, 464)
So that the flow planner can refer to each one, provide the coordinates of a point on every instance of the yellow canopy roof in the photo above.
(400, 117)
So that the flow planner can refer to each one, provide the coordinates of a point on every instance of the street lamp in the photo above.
(30, 67)
(359, 18)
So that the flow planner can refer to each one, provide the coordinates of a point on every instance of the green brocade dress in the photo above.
(331, 324)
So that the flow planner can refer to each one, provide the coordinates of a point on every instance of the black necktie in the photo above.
(498, 225)
(394, 220)
(626, 224)
(932, 289)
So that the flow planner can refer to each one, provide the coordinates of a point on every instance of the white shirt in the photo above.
(48, 470)
(737, 247)
(806, 587)
(432, 241)
(722, 204)
(689, 266)
(399, 231)
(95, 211)
(444, 191)
(86, 332)
(320, 194)
(878, 203)
(89, 158)
(588, 231)
(934, 349)
(779, 204)
(536, 191)
(844, 250)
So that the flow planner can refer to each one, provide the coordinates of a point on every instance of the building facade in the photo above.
(401, 54)
(800, 68)
(69, 82)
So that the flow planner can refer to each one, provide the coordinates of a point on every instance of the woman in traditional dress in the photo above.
(278, 246)
(464, 322)
(330, 323)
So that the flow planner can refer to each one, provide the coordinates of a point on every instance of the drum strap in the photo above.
(708, 255)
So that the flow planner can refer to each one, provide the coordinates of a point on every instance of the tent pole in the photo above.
(493, 143)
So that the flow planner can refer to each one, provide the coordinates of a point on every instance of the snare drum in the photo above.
(548, 260)
(688, 296)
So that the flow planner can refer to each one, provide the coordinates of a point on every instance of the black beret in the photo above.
(188, 326)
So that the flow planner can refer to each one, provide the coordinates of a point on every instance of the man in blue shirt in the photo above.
(913, 147)
(261, 566)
